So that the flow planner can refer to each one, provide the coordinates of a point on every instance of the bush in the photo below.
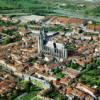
(91, 74)
(7, 40)
(60, 75)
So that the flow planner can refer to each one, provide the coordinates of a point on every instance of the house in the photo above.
(56, 83)
(76, 21)
(86, 89)
(7, 86)
(59, 20)
(68, 92)
(14, 20)
(93, 28)
(5, 18)
(73, 92)
(35, 18)
(64, 20)
(80, 94)
(88, 97)
(86, 38)
(71, 72)
(80, 61)
(53, 66)
(61, 82)
(65, 80)
(11, 28)
(1, 28)
(97, 52)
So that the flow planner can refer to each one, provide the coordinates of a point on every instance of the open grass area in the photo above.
(26, 6)
(30, 91)
(32, 94)
(44, 7)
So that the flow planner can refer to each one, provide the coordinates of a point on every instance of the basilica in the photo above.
(47, 46)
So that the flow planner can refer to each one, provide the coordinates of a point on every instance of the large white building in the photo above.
(47, 46)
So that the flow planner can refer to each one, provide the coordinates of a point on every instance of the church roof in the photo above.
(58, 45)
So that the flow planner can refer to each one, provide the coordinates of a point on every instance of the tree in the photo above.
(57, 70)
(28, 86)
(7, 40)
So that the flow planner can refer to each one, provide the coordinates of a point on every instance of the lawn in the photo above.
(59, 75)
(43, 7)
(34, 90)
(32, 94)
(25, 6)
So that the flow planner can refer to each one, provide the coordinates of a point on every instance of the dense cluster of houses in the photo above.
(7, 87)
(23, 56)
(8, 83)
(90, 25)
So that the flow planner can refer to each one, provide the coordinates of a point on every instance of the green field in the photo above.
(26, 6)
(43, 7)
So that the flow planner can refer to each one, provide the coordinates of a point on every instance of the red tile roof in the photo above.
(62, 20)
(11, 27)
(88, 97)
(65, 80)
(93, 27)
(52, 66)
(76, 20)
(69, 90)
(79, 93)
(86, 89)
(6, 85)
(1, 28)
(56, 82)
(72, 73)
(5, 18)
(65, 20)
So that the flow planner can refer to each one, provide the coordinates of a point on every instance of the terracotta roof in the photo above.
(93, 27)
(23, 30)
(71, 72)
(80, 62)
(88, 97)
(1, 28)
(86, 89)
(64, 80)
(76, 20)
(52, 66)
(5, 18)
(81, 48)
(56, 82)
(65, 20)
(11, 27)
(79, 93)
(6, 85)
(69, 91)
